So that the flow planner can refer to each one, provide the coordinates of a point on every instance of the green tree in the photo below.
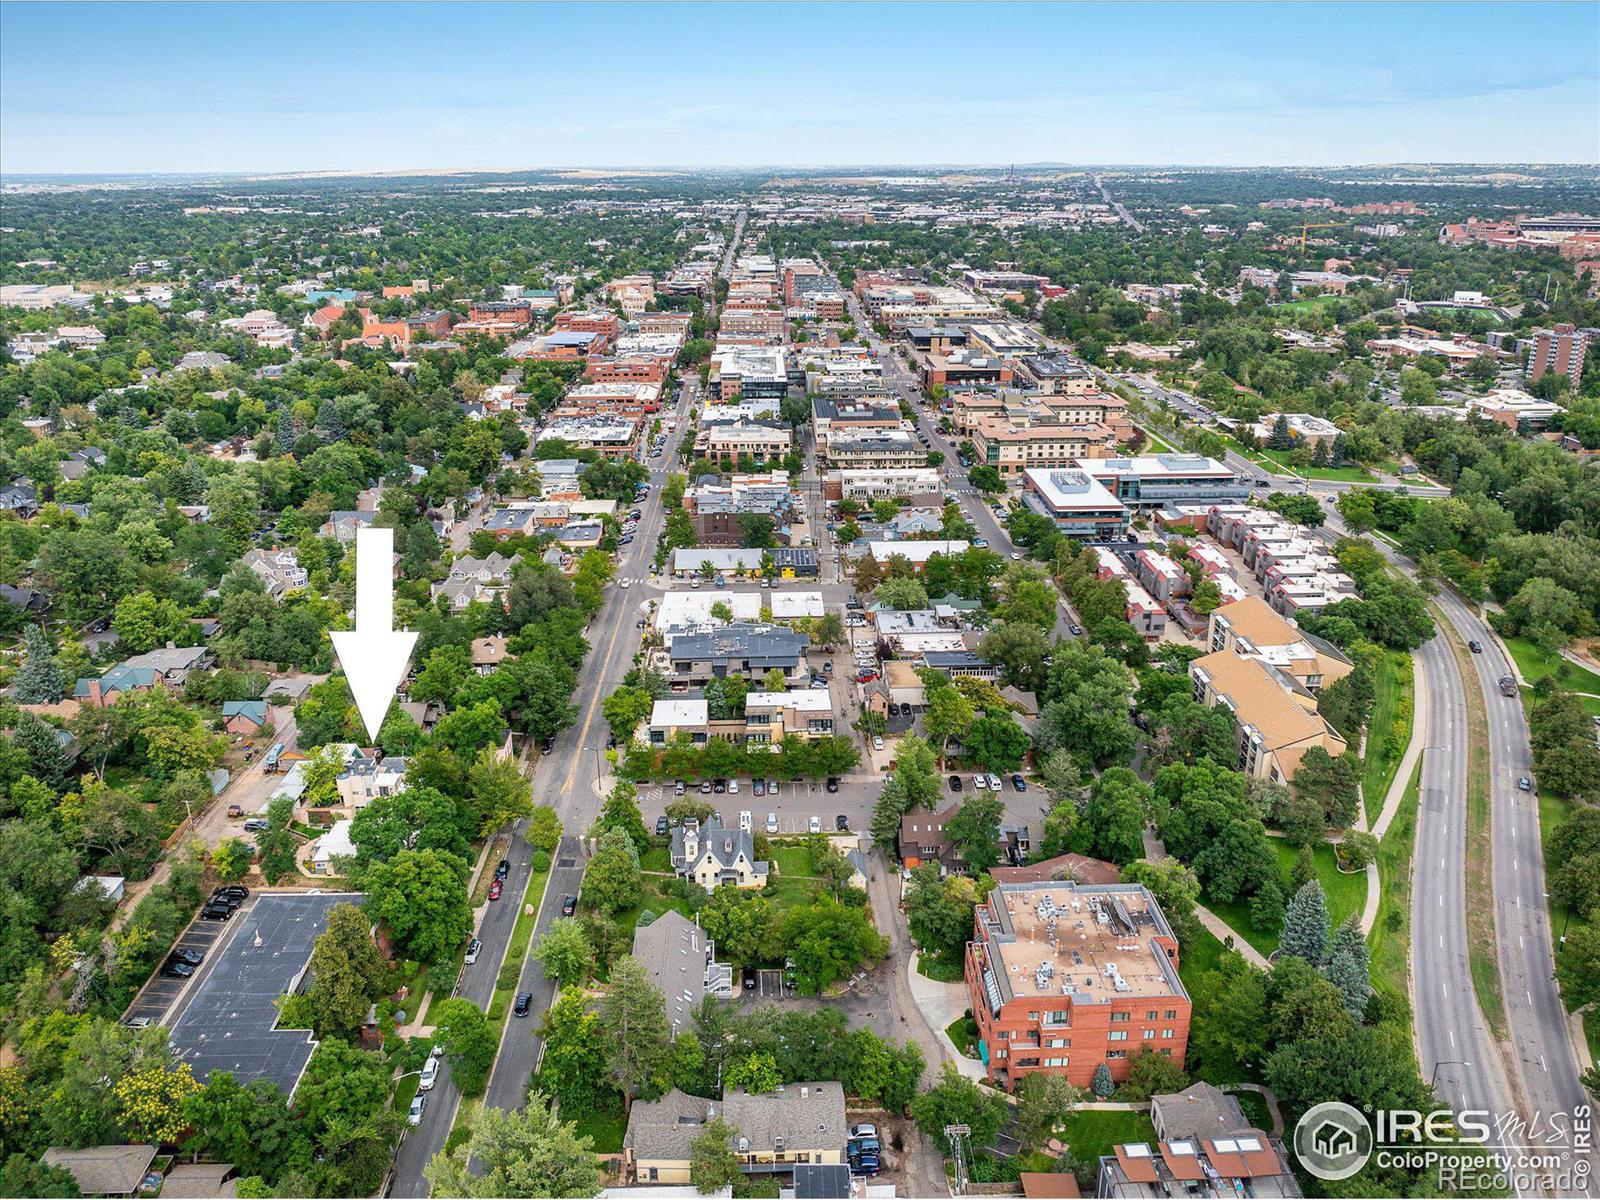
(519, 1152)
(1347, 967)
(500, 791)
(637, 1034)
(957, 1100)
(231, 860)
(22, 1176)
(904, 593)
(1332, 783)
(565, 953)
(755, 1073)
(1101, 1085)
(613, 880)
(996, 743)
(573, 1068)
(939, 911)
(713, 1165)
(470, 1042)
(1305, 925)
(347, 972)
(38, 681)
(626, 709)
(421, 898)
(544, 829)
(1152, 1074)
(248, 1125)
(1044, 1100)
(976, 829)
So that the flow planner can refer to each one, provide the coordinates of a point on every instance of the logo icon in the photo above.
(1332, 1140)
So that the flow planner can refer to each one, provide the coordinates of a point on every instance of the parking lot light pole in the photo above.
(1445, 1062)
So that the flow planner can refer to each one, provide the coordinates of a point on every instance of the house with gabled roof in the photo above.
(712, 856)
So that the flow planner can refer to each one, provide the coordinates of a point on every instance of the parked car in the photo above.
(877, 742)
(474, 947)
(772, 787)
(772, 822)
(705, 787)
(193, 957)
(759, 787)
(524, 1001)
(547, 746)
(1524, 784)
(1075, 630)
(569, 905)
(495, 887)
(661, 824)
(137, 1023)
(994, 782)
(833, 783)
(746, 821)
(749, 979)
(429, 1075)
(827, 668)
(815, 825)
(216, 911)
(719, 786)
(1019, 783)
(841, 823)
(955, 783)
(414, 1113)
(980, 782)
(733, 787)
(502, 868)
(235, 810)
(257, 825)
(233, 893)
(175, 969)
(680, 787)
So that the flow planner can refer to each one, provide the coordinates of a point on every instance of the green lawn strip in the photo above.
(404, 1090)
(1091, 1133)
(1341, 474)
(1389, 730)
(939, 969)
(1389, 943)
(963, 1034)
(517, 950)
(1346, 893)
(1482, 957)
(461, 1127)
(1591, 1032)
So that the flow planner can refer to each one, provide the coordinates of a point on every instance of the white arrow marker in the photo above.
(374, 654)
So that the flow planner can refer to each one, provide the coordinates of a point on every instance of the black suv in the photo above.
(503, 869)
(524, 1002)
(216, 910)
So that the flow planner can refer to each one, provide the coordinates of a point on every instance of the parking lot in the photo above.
(155, 999)
(795, 804)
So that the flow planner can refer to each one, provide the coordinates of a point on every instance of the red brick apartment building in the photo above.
(603, 323)
(643, 368)
(1064, 976)
(518, 312)
(402, 331)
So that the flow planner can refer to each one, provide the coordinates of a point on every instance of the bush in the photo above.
(540, 862)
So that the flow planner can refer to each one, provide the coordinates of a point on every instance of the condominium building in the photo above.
(1012, 446)
(1277, 715)
(1558, 351)
(1066, 977)
(1079, 504)
(755, 371)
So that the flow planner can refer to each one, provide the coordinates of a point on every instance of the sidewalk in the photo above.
(1391, 802)
(940, 1005)
(1155, 851)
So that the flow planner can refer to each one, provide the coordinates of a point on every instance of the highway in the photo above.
(1543, 1079)
(1105, 194)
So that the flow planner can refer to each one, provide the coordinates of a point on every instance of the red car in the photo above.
(866, 676)
(494, 890)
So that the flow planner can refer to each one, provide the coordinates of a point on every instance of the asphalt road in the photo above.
(1541, 1049)
(565, 778)
(1454, 1045)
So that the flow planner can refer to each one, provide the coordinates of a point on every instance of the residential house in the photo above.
(168, 667)
(712, 856)
(244, 718)
(104, 1170)
(748, 650)
(799, 1124)
(487, 654)
(278, 569)
(680, 958)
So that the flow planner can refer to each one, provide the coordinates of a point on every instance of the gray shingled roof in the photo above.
(673, 949)
(807, 1116)
(1199, 1111)
(664, 1128)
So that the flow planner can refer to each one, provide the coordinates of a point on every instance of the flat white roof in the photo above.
(1157, 464)
(788, 605)
(680, 712)
(1068, 489)
(803, 700)
(681, 610)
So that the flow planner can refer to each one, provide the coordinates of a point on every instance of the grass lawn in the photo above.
(1346, 894)
(658, 858)
(404, 1090)
(1089, 1134)
(1389, 943)
(1309, 304)
(651, 901)
(963, 1034)
(1389, 732)
(931, 966)
(605, 1127)
(1535, 666)
(1199, 956)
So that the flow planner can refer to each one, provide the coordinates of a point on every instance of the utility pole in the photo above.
(955, 1135)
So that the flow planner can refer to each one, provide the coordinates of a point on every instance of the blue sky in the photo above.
(283, 87)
